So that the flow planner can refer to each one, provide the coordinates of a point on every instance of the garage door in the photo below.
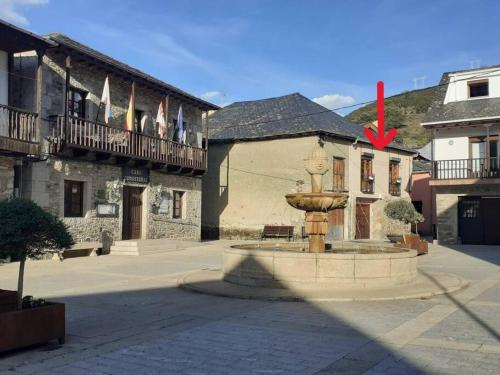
(478, 220)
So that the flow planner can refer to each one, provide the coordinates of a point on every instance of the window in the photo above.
(394, 180)
(470, 209)
(338, 174)
(178, 204)
(367, 178)
(76, 102)
(73, 198)
(478, 88)
(138, 118)
(418, 206)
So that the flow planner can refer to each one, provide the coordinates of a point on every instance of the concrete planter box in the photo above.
(38, 325)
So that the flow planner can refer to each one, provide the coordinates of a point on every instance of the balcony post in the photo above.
(38, 95)
(67, 90)
(206, 138)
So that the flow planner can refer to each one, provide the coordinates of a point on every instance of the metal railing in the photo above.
(18, 124)
(466, 168)
(97, 136)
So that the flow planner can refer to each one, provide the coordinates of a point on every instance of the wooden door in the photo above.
(336, 225)
(470, 222)
(362, 220)
(132, 212)
(490, 209)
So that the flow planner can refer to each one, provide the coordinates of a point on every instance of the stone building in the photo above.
(106, 182)
(257, 151)
(19, 115)
(464, 118)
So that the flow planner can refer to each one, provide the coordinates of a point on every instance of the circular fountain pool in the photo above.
(282, 265)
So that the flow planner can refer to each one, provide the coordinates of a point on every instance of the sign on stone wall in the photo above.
(163, 207)
(135, 175)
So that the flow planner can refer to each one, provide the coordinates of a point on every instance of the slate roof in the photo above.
(421, 166)
(16, 39)
(465, 109)
(288, 115)
(66, 42)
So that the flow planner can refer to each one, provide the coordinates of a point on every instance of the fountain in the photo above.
(317, 204)
(349, 271)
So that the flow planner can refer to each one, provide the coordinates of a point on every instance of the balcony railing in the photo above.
(367, 184)
(95, 136)
(466, 168)
(395, 187)
(18, 130)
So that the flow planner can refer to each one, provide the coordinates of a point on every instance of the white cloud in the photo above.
(10, 10)
(210, 95)
(332, 101)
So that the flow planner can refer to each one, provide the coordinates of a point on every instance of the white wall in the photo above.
(453, 143)
(458, 87)
(4, 78)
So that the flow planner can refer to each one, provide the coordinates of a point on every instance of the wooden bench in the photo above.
(278, 231)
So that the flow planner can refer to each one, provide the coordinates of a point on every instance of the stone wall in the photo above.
(103, 184)
(6, 177)
(447, 198)
(162, 225)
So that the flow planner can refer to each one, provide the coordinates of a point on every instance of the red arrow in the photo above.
(380, 140)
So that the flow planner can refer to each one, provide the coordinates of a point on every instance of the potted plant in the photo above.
(28, 231)
(404, 212)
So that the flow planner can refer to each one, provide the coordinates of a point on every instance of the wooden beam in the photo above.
(38, 95)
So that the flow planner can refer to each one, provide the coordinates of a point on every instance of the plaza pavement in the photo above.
(125, 315)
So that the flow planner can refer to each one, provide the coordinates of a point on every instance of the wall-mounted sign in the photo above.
(135, 175)
(163, 208)
(107, 210)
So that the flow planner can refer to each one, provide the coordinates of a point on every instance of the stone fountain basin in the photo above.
(352, 265)
(316, 201)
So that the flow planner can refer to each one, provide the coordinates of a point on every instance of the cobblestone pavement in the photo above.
(125, 315)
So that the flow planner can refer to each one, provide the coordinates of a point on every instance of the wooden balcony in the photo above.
(80, 138)
(466, 171)
(18, 132)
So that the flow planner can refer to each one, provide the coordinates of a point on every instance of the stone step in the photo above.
(146, 247)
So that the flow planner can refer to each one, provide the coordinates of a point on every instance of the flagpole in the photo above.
(98, 110)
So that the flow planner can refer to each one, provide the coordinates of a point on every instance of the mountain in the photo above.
(404, 112)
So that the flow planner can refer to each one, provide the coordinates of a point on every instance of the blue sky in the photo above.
(226, 51)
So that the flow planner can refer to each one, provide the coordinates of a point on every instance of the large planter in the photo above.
(38, 325)
(413, 241)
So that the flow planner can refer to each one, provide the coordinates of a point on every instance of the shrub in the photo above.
(28, 231)
(403, 211)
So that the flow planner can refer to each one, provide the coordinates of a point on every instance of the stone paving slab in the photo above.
(125, 315)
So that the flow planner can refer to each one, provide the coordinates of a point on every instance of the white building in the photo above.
(465, 121)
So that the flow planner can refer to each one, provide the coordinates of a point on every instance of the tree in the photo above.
(28, 231)
(403, 211)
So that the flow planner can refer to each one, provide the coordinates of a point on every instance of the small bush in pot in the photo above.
(28, 231)
(404, 212)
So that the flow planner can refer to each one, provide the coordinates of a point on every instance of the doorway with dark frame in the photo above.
(132, 212)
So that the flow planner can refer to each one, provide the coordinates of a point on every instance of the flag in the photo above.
(181, 132)
(106, 99)
(161, 118)
(129, 120)
(144, 118)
